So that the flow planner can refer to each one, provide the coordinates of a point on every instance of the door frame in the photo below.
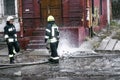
(61, 14)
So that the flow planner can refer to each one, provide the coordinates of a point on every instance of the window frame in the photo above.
(3, 7)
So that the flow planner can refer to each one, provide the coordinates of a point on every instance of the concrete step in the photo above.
(38, 33)
(36, 46)
(103, 44)
(117, 46)
(2, 43)
(111, 44)
(30, 44)
(37, 37)
(36, 41)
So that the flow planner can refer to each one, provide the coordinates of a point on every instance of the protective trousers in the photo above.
(54, 47)
(12, 48)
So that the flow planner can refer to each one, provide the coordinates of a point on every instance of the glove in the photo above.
(6, 40)
(58, 38)
(45, 40)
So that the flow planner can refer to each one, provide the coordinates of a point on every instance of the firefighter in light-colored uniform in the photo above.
(52, 38)
(10, 35)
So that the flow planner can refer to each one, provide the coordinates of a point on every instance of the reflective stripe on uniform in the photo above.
(11, 40)
(14, 51)
(16, 39)
(46, 37)
(53, 29)
(11, 55)
(10, 29)
(53, 40)
(55, 58)
(6, 36)
(15, 35)
(48, 30)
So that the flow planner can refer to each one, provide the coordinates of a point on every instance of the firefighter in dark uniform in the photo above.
(52, 38)
(11, 38)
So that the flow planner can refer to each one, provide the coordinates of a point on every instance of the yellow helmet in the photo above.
(50, 18)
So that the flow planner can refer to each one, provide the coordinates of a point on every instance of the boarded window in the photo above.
(9, 7)
(101, 7)
(116, 9)
(92, 6)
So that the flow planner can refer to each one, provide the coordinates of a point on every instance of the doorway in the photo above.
(51, 7)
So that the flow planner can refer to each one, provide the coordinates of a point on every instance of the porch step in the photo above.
(37, 40)
(37, 37)
(2, 41)
(36, 46)
(38, 33)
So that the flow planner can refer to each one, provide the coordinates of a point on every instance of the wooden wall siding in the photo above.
(37, 13)
(97, 3)
(65, 6)
(82, 35)
(83, 6)
(36, 9)
(72, 12)
(102, 17)
(75, 12)
(28, 9)
(104, 13)
(31, 16)
(28, 15)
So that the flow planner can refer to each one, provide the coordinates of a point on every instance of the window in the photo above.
(101, 7)
(9, 7)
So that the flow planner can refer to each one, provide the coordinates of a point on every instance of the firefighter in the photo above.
(52, 38)
(10, 36)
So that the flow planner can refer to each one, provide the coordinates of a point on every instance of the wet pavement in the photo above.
(80, 66)
(75, 64)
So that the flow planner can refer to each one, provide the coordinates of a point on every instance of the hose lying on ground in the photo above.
(5, 66)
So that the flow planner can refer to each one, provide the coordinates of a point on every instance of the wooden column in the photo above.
(87, 13)
(83, 7)
(20, 18)
(22, 40)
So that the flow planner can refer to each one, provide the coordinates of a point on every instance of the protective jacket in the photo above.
(52, 33)
(10, 33)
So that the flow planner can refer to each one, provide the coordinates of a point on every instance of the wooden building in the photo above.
(75, 18)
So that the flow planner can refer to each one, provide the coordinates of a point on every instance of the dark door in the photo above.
(31, 15)
(51, 7)
(28, 13)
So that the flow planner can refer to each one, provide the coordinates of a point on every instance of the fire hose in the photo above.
(6, 66)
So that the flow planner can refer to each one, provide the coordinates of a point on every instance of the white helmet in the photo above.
(9, 18)
(50, 18)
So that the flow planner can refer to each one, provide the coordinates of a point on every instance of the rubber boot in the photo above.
(56, 61)
(53, 60)
(12, 60)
